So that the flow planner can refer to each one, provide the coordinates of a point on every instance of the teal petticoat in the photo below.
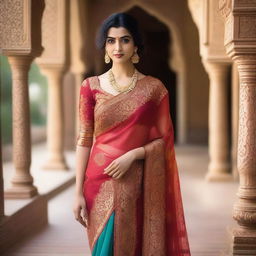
(105, 243)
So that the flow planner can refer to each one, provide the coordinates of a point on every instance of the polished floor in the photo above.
(208, 209)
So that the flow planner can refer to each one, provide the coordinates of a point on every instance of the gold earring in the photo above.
(135, 57)
(107, 59)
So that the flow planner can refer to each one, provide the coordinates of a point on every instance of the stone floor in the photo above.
(208, 208)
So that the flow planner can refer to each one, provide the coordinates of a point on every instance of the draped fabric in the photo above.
(147, 202)
(104, 244)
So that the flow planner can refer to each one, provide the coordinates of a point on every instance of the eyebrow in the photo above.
(121, 36)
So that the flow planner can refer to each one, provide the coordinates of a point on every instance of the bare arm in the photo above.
(82, 156)
(83, 148)
(79, 208)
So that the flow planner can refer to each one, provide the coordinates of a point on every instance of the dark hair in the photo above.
(120, 20)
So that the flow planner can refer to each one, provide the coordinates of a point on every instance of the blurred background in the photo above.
(48, 49)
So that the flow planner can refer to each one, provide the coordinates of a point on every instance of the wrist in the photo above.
(140, 153)
(133, 154)
(79, 193)
(137, 153)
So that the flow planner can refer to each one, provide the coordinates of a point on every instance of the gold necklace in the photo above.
(119, 88)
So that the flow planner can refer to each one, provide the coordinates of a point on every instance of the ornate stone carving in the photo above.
(20, 26)
(225, 7)
(14, 21)
(245, 217)
(247, 124)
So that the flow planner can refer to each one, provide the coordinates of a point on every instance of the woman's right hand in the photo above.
(80, 211)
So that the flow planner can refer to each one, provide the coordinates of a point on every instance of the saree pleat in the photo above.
(141, 213)
(105, 243)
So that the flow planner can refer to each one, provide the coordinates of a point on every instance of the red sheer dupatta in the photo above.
(163, 208)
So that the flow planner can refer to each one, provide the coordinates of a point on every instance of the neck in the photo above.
(123, 70)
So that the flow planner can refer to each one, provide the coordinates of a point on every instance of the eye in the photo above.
(126, 40)
(110, 41)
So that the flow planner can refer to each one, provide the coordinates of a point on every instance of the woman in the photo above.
(127, 184)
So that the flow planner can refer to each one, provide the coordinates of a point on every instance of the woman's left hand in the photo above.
(118, 167)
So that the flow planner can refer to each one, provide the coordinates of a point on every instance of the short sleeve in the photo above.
(86, 115)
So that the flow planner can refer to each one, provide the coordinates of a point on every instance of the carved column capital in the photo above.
(20, 26)
(240, 29)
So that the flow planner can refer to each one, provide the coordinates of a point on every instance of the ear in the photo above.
(136, 48)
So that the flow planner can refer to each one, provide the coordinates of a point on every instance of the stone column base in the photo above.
(215, 176)
(55, 165)
(219, 172)
(20, 192)
(244, 242)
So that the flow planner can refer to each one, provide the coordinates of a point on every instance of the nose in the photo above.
(118, 46)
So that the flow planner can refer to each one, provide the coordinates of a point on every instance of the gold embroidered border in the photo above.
(85, 136)
(154, 199)
(100, 98)
(127, 191)
(100, 212)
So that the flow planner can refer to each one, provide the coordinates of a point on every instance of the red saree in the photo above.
(149, 217)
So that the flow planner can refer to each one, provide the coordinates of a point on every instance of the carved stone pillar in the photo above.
(22, 182)
(55, 119)
(245, 208)
(240, 42)
(53, 63)
(219, 166)
(20, 40)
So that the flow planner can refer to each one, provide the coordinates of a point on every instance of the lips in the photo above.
(118, 55)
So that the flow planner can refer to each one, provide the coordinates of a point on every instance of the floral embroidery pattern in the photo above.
(154, 199)
(127, 190)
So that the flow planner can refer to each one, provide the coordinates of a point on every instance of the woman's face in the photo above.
(120, 45)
